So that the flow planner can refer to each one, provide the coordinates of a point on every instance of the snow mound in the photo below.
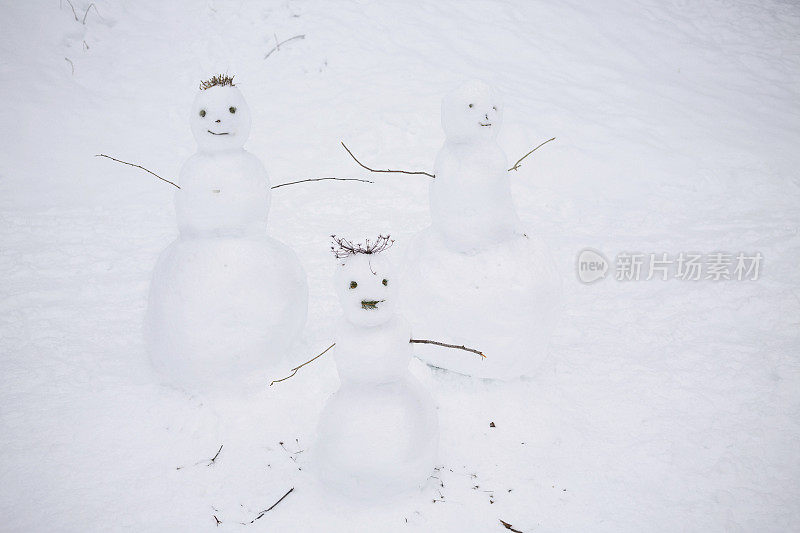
(504, 300)
(221, 309)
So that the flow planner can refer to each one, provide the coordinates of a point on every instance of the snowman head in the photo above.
(220, 117)
(471, 113)
(365, 281)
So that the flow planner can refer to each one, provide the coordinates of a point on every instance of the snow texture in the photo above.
(378, 434)
(226, 301)
(665, 406)
(504, 300)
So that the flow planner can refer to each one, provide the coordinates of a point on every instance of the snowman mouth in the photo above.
(212, 133)
(370, 304)
(487, 125)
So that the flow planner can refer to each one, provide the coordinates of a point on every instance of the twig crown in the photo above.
(342, 248)
(221, 80)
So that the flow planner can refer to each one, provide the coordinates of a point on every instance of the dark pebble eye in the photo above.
(385, 282)
(232, 109)
(353, 284)
(494, 107)
(470, 105)
(202, 112)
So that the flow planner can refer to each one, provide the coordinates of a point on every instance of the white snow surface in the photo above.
(504, 300)
(665, 405)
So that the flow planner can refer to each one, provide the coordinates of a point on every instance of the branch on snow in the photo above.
(516, 165)
(457, 347)
(295, 369)
(362, 165)
(278, 44)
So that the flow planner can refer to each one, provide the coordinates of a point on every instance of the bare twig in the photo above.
(295, 369)
(74, 14)
(138, 166)
(210, 461)
(213, 459)
(178, 186)
(319, 179)
(278, 45)
(342, 248)
(437, 343)
(516, 165)
(71, 64)
(387, 170)
(219, 80)
(509, 526)
(262, 513)
(87, 12)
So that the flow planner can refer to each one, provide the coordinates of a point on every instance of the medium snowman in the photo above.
(226, 301)
(378, 434)
(475, 276)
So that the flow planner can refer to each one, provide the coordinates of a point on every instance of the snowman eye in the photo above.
(202, 112)
(494, 107)
(470, 105)
(385, 282)
(232, 109)
(353, 284)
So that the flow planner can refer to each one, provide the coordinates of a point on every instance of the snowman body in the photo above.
(226, 300)
(378, 434)
(470, 198)
(223, 194)
(474, 277)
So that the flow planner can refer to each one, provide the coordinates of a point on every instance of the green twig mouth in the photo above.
(370, 304)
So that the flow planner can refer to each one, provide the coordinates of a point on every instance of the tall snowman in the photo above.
(474, 276)
(378, 434)
(226, 301)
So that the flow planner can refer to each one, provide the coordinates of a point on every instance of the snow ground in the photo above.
(666, 405)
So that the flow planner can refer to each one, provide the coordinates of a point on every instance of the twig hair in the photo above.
(342, 248)
(221, 80)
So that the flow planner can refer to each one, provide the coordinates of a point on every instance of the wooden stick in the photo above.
(387, 170)
(437, 343)
(516, 165)
(278, 46)
(509, 526)
(87, 12)
(74, 14)
(295, 369)
(262, 513)
(213, 459)
(273, 187)
(138, 166)
(319, 179)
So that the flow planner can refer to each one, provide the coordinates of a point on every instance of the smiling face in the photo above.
(220, 119)
(365, 285)
(473, 112)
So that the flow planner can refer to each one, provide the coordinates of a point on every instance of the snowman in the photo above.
(378, 434)
(475, 275)
(226, 301)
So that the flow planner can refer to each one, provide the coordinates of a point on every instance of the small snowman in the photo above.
(378, 434)
(474, 275)
(470, 198)
(226, 301)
